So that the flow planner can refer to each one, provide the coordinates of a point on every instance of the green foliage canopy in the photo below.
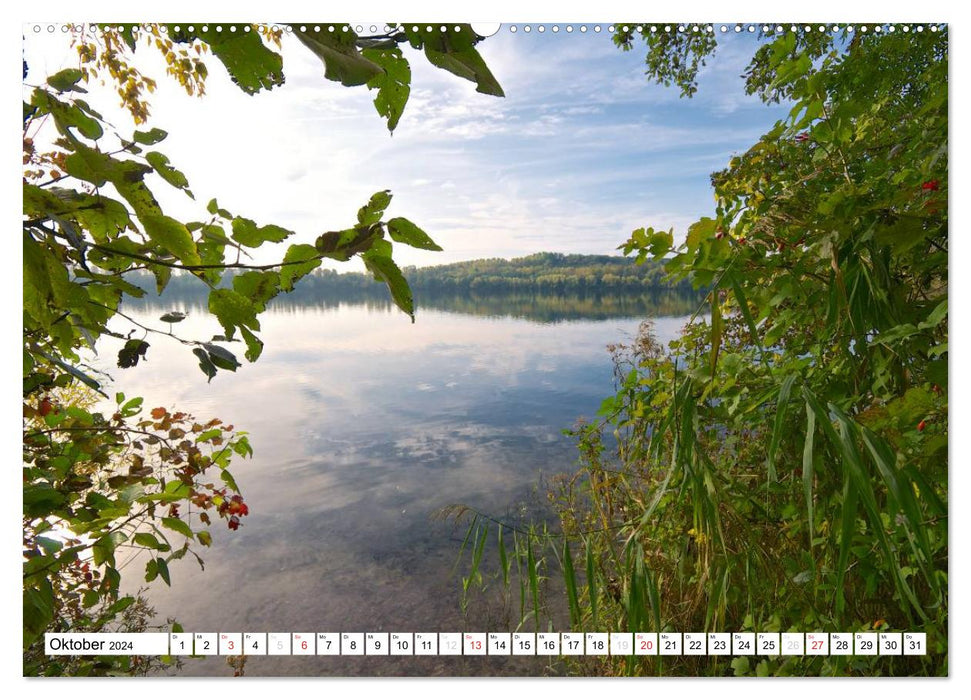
(784, 463)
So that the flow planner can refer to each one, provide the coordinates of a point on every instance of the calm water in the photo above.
(363, 425)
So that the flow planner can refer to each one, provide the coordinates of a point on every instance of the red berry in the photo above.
(921, 426)
(931, 185)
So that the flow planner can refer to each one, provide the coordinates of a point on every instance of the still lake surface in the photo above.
(363, 426)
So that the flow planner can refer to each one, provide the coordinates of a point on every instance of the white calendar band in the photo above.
(769, 644)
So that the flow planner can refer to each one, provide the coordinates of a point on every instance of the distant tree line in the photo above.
(546, 273)
(540, 273)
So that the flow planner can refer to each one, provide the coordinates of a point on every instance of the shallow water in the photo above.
(364, 425)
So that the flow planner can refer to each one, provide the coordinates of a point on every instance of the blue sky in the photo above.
(582, 150)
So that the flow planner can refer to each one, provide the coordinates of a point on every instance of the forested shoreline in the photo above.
(540, 273)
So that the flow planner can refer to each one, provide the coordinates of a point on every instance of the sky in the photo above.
(582, 149)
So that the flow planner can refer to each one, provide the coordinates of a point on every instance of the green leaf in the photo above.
(808, 476)
(569, 575)
(299, 260)
(103, 217)
(403, 231)
(221, 357)
(228, 479)
(393, 85)
(178, 525)
(701, 230)
(250, 63)
(385, 269)
(661, 242)
(371, 212)
(48, 545)
(90, 598)
(68, 116)
(41, 500)
(172, 176)
(173, 236)
(456, 53)
(247, 233)
(172, 317)
(232, 309)
(740, 665)
(743, 308)
(74, 372)
(150, 137)
(532, 573)
(133, 351)
(258, 287)
(906, 232)
(717, 327)
(103, 551)
(254, 346)
(38, 609)
(36, 564)
(935, 317)
(147, 539)
(503, 558)
(342, 245)
(66, 80)
(205, 364)
(780, 416)
(592, 591)
(121, 604)
(163, 571)
(342, 60)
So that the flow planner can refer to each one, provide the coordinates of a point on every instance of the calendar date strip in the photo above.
(488, 644)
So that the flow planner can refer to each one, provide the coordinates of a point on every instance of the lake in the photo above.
(363, 425)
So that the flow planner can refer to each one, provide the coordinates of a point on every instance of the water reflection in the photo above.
(364, 425)
(541, 308)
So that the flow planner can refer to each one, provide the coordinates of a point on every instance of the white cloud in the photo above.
(581, 150)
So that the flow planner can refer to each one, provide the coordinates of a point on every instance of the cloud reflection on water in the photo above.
(363, 425)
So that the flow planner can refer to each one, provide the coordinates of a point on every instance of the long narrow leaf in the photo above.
(747, 316)
(853, 459)
(903, 494)
(533, 580)
(465, 542)
(570, 577)
(503, 560)
(477, 554)
(592, 591)
(780, 417)
(808, 478)
(717, 326)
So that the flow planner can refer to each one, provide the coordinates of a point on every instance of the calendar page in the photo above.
(446, 348)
